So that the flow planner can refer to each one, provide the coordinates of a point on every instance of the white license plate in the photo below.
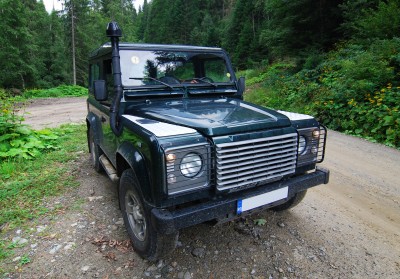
(263, 199)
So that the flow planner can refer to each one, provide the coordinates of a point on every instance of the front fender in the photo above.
(128, 154)
(93, 122)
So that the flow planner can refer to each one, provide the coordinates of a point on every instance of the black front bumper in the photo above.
(167, 222)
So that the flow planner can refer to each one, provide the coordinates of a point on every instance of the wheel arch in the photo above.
(128, 156)
(92, 123)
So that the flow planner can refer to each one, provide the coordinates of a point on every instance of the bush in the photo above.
(60, 91)
(17, 139)
(355, 90)
(376, 116)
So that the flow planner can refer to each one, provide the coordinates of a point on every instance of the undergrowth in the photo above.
(355, 89)
(56, 92)
(25, 184)
(16, 139)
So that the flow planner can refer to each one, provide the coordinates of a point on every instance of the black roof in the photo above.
(106, 48)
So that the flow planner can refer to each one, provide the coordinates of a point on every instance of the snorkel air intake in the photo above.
(114, 33)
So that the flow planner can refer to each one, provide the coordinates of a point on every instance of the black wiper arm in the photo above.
(154, 79)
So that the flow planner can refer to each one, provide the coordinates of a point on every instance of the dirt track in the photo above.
(349, 228)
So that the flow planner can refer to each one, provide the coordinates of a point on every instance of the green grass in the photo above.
(24, 183)
(4, 251)
(56, 92)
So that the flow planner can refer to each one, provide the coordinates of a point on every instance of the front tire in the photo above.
(292, 202)
(146, 241)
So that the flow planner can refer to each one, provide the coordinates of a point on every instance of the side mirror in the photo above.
(100, 90)
(241, 85)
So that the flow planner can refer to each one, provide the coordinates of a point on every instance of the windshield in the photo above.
(144, 67)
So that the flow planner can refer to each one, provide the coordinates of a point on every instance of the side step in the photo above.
(108, 167)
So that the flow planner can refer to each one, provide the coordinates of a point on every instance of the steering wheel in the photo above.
(199, 80)
(169, 80)
(206, 79)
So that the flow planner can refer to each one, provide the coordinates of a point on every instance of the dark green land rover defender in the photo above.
(169, 124)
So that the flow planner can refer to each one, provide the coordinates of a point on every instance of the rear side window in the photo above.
(94, 74)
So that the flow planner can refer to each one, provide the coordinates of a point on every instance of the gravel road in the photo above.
(349, 228)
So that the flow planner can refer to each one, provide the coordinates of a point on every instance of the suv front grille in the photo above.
(248, 162)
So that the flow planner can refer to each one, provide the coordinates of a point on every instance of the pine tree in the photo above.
(56, 61)
(17, 53)
(243, 31)
(142, 21)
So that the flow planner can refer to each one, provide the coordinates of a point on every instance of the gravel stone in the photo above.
(187, 275)
(39, 229)
(151, 268)
(69, 246)
(54, 249)
(85, 268)
(198, 252)
(19, 240)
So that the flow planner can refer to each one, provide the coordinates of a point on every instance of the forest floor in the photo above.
(349, 228)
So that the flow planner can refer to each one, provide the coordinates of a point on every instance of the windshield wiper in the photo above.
(154, 79)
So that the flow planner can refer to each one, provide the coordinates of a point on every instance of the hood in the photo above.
(211, 117)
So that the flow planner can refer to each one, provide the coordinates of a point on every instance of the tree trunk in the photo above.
(73, 44)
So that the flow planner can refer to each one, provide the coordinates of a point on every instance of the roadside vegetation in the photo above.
(26, 182)
(56, 92)
(18, 140)
(354, 89)
(25, 157)
(353, 86)
(34, 164)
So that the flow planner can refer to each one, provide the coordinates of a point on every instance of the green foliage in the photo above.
(57, 92)
(180, 22)
(17, 64)
(370, 20)
(260, 222)
(5, 252)
(375, 116)
(25, 259)
(354, 89)
(292, 27)
(27, 182)
(18, 140)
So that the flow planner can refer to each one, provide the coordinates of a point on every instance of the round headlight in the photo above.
(302, 145)
(191, 165)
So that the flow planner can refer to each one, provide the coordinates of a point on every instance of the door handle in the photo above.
(103, 119)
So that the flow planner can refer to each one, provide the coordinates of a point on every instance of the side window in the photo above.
(94, 74)
(109, 78)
